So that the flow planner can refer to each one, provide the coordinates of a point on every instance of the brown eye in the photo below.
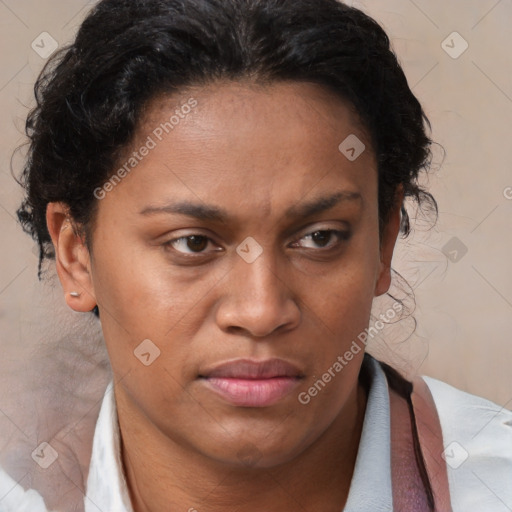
(322, 238)
(197, 243)
(189, 244)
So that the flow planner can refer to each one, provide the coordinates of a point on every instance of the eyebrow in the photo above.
(214, 213)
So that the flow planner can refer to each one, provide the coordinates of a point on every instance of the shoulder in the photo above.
(472, 418)
(477, 439)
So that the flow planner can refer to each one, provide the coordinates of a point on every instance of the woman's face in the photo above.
(282, 262)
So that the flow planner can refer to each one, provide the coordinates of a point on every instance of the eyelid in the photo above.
(313, 228)
(342, 235)
(342, 229)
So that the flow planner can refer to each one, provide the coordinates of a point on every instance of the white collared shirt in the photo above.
(370, 488)
(477, 435)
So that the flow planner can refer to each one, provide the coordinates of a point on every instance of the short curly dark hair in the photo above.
(91, 94)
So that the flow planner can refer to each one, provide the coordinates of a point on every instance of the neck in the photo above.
(163, 475)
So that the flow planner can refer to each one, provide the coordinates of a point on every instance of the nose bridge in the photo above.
(259, 278)
(259, 300)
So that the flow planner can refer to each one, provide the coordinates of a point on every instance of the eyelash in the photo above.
(343, 236)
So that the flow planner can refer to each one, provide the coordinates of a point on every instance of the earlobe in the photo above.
(72, 258)
(389, 237)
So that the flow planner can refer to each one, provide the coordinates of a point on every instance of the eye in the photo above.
(191, 244)
(323, 237)
(196, 243)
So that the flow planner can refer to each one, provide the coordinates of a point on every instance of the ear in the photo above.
(387, 245)
(71, 257)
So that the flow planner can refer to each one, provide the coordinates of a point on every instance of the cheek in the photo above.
(126, 293)
(127, 282)
(343, 303)
(349, 289)
(142, 298)
(345, 312)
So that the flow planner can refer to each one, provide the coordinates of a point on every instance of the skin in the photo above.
(254, 151)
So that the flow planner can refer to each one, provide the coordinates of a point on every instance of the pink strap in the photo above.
(409, 494)
(431, 442)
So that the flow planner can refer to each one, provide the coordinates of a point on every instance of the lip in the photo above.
(249, 383)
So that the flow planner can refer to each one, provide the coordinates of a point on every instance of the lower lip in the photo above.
(252, 392)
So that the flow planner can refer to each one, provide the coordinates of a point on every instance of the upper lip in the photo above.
(252, 369)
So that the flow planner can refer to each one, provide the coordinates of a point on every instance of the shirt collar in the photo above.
(106, 483)
(370, 488)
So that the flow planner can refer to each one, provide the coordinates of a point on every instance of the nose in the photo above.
(259, 298)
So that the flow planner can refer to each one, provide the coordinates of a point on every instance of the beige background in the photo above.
(463, 304)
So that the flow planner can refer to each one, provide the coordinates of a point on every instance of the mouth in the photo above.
(248, 383)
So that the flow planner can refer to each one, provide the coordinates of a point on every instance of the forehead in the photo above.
(239, 104)
(267, 145)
